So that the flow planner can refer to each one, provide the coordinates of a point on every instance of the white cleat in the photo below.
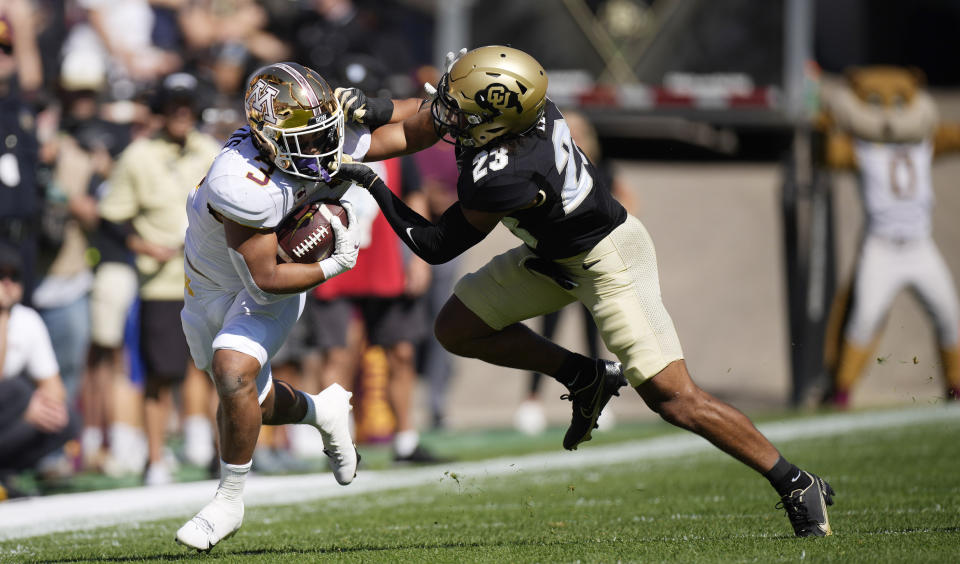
(333, 408)
(218, 521)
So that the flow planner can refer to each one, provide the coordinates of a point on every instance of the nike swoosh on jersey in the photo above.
(410, 236)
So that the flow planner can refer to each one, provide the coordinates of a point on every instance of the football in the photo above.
(305, 235)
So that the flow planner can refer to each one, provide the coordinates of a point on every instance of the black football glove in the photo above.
(358, 173)
(371, 112)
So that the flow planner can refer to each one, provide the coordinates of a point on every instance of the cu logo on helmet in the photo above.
(261, 99)
(497, 97)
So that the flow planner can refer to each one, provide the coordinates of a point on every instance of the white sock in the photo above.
(91, 440)
(232, 479)
(405, 442)
(310, 418)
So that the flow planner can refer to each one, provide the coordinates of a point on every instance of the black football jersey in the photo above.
(575, 209)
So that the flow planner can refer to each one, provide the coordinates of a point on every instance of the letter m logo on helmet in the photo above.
(261, 98)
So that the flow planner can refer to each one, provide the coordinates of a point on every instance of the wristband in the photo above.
(379, 112)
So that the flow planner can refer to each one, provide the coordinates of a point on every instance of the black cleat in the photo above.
(807, 507)
(590, 400)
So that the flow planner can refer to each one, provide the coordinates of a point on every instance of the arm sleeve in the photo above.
(434, 243)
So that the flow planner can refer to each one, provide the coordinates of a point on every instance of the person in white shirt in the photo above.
(239, 303)
(34, 417)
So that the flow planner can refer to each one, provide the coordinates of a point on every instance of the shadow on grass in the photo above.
(289, 552)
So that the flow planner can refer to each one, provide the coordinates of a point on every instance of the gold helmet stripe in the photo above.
(302, 81)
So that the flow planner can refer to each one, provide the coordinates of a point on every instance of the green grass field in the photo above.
(898, 500)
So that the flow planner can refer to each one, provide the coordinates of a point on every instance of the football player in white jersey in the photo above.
(239, 302)
(519, 166)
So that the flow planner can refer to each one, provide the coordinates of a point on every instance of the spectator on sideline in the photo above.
(148, 193)
(123, 31)
(81, 160)
(19, 202)
(34, 417)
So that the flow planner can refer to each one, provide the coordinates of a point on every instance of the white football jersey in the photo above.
(244, 187)
(896, 188)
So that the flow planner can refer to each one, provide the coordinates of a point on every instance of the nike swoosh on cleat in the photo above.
(204, 524)
(589, 265)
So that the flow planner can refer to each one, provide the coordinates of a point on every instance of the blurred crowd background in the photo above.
(110, 111)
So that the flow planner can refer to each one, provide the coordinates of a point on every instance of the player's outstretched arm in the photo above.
(435, 243)
(374, 112)
(254, 256)
(402, 138)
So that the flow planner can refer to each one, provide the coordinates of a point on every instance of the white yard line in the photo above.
(80, 511)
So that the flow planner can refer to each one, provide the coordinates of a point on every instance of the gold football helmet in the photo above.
(488, 93)
(296, 120)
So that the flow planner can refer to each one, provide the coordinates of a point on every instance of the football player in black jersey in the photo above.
(519, 166)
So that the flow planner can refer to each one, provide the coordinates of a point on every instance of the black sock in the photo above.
(573, 367)
(785, 477)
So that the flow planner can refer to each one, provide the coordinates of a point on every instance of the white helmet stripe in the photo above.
(302, 81)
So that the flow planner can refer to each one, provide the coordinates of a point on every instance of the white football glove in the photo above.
(346, 245)
(452, 58)
(449, 60)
